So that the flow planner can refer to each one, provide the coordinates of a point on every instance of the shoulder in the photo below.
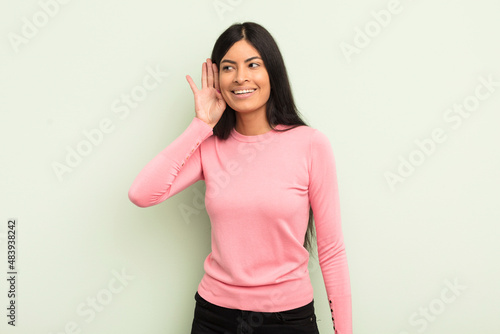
(320, 144)
(306, 134)
(296, 130)
(312, 135)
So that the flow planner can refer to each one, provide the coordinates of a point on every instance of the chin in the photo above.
(244, 110)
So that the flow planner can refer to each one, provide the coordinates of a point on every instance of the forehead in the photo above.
(241, 50)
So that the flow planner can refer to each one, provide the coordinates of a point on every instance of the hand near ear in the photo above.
(209, 103)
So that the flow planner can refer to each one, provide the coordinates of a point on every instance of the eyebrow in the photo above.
(233, 62)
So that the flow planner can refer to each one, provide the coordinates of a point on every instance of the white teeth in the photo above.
(244, 91)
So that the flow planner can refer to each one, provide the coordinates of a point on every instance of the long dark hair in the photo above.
(280, 108)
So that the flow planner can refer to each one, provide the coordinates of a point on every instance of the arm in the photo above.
(175, 168)
(179, 165)
(324, 199)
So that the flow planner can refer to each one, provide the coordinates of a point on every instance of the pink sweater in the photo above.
(258, 192)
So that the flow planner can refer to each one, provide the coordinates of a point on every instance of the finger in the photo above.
(216, 77)
(192, 84)
(204, 75)
(210, 70)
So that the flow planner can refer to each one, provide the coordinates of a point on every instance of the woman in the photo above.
(265, 172)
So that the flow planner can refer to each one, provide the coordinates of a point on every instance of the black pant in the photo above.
(214, 319)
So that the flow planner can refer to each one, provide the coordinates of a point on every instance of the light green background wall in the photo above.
(405, 244)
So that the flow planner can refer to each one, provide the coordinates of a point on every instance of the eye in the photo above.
(256, 65)
(226, 68)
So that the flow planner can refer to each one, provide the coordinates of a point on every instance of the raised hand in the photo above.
(208, 101)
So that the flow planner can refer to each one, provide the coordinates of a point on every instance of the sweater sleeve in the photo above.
(325, 204)
(175, 168)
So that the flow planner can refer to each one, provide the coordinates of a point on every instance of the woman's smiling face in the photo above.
(243, 78)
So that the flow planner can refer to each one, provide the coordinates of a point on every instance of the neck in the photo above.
(251, 124)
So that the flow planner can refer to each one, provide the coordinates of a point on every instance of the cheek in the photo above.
(264, 81)
(266, 87)
(267, 94)
(224, 90)
(225, 95)
(224, 81)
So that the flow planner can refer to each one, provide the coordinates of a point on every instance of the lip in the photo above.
(243, 96)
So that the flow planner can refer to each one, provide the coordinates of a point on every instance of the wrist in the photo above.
(211, 125)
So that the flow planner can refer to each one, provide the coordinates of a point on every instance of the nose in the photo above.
(241, 75)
